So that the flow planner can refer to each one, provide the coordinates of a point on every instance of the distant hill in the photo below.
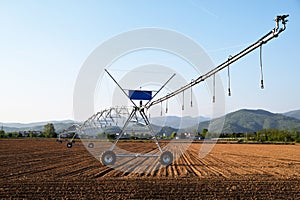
(253, 120)
(294, 114)
(36, 126)
(33, 124)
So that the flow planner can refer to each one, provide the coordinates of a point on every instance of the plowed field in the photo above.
(43, 169)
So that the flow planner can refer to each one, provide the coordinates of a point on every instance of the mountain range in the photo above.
(240, 121)
(294, 114)
(245, 120)
(36, 126)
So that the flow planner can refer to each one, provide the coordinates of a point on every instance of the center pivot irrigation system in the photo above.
(138, 112)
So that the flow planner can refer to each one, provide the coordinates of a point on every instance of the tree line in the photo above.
(266, 135)
(49, 132)
(273, 135)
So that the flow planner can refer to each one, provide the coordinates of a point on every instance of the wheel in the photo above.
(69, 145)
(108, 158)
(166, 158)
(91, 145)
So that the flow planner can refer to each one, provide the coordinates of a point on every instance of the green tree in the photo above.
(173, 135)
(15, 134)
(111, 136)
(40, 135)
(31, 134)
(2, 133)
(297, 136)
(204, 132)
(49, 130)
(20, 134)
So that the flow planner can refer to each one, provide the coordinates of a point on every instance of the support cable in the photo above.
(183, 100)
(214, 88)
(261, 68)
(192, 93)
(228, 73)
(167, 106)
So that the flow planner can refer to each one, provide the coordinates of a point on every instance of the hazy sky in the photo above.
(43, 45)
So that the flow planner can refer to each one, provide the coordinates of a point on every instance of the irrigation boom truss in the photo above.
(137, 113)
(270, 35)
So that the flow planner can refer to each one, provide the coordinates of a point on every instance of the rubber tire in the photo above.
(166, 158)
(69, 145)
(91, 145)
(108, 158)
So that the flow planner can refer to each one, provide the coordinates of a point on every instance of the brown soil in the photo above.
(43, 169)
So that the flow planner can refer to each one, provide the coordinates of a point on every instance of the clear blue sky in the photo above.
(43, 44)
